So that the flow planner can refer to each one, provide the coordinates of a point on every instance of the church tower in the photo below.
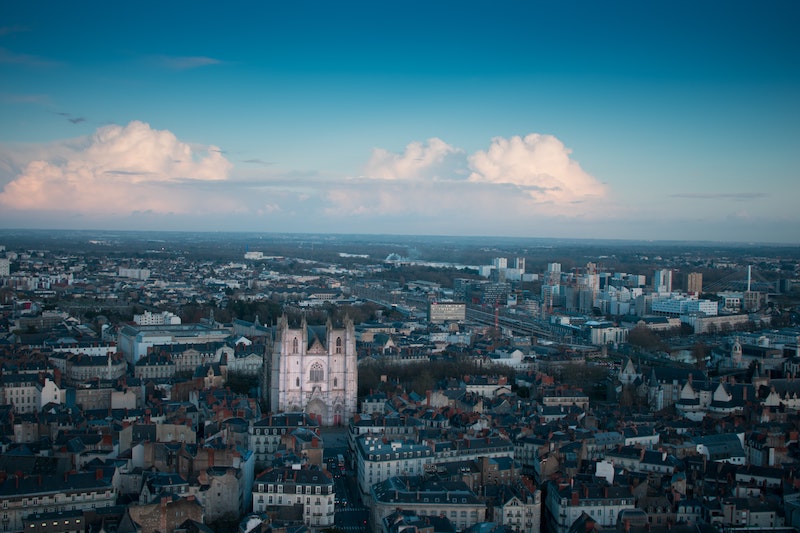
(314, 370)
(736, 353)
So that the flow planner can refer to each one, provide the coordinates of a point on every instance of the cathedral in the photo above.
(314, 369)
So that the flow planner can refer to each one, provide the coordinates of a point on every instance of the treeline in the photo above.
(385, 376)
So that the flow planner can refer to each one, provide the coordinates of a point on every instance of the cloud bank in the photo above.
(149, 177)
(119, 170)
(538, 164)
(514, 177)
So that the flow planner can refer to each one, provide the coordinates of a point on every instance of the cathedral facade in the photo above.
(314, 369)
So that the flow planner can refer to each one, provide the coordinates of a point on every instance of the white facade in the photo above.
(681, 305)
(378, 461)
(156, 319)
(289, 487)
(315, 370)
(23, 391)
(609, 335)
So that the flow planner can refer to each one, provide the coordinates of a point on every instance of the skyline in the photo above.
(662, 121)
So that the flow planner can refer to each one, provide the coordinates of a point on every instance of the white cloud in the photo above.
(514, 180)
(540, 165)
(120, 170)
(429, 160)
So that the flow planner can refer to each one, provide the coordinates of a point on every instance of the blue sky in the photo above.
(638, 120)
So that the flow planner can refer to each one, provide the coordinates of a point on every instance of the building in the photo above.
(267, 434)
(135, 341)
(378, 461)
(309, 489)
(156, 319)
(567, 502)
(519, 507)
(427, 497)
(677, 306)
(314, 370)
(439, 312)
(694, 283)
(154, 366)
(22, 391)
(24, 495)
(662, 281)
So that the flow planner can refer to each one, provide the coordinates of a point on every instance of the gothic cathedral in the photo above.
(314, 369)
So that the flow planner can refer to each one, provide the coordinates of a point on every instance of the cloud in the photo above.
(538, 164)
(518, 180)
(419, 161)
(72, 119)
(118, 170)
(186, 62)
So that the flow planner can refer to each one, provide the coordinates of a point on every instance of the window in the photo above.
(317, 373)
(338, 345)
(297, 382)
(295, 345)
(335, 382)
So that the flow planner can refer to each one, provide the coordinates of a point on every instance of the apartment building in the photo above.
(267, 434)
(378, 460)
(310, 489)
(22, 495)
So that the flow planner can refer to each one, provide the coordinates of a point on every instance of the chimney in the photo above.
(98, 474)
(210, 457)
(574, 498)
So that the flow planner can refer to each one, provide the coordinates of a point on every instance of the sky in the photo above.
(571, 119)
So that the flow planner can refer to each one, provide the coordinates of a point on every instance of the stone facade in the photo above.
(314, 370)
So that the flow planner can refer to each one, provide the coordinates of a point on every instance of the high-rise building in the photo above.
(662, 281)
(314, 369)
(694, 283)
(500, 262)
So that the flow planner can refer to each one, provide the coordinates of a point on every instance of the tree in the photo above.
(642, 337)
(700, 352)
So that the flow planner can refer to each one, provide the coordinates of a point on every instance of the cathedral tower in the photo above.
(314, 370)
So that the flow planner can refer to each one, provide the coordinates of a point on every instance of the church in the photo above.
(314, 369)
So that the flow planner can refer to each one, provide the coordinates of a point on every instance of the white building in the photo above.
(309, 488)
(378, 461)
(677, 305)
(156, 319)
(314, 369)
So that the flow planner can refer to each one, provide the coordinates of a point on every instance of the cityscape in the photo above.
(164, 381)
(400, 267)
